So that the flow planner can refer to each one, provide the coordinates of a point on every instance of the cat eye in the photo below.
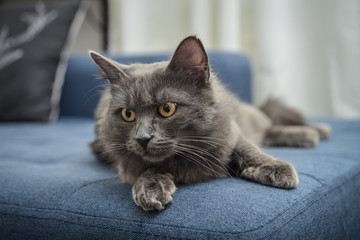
(127, 115)
(167, 109)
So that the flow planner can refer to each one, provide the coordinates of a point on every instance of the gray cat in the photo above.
(173, 122)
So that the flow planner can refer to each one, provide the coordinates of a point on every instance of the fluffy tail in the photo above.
(281, 114)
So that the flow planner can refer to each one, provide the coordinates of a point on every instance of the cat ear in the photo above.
(111, 68)
(190, 56)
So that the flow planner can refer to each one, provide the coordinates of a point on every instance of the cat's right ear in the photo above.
(190, 56)
(111, 68)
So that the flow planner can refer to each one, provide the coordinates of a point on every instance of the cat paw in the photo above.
(277, 173)
(292, 136)
(153, 191)
(323, 130)
(307, 138)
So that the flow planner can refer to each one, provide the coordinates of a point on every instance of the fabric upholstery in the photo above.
(51, 184)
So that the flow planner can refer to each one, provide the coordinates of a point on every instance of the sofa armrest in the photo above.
(81, 89)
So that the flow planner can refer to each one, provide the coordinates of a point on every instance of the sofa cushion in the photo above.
(34, 39)
(82, 89)
(53, 187)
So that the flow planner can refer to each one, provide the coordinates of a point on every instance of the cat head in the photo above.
(154, 109)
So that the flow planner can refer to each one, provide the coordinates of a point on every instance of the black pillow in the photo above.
(34, 42)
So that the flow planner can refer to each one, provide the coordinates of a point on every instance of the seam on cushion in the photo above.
(198, 229)
(322, 183)
(161, 224)
(310, 204)
(118, 219)
(154, 224)
(78, 189)
(96, 226)
(285, 210)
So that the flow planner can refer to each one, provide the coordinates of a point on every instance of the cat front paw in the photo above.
(153, 191)
(276, 173)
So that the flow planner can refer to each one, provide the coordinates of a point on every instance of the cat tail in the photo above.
(281, 114)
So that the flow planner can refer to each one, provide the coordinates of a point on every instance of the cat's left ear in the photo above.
(113, 70)
(190, 56)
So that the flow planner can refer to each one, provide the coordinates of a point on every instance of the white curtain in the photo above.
(305, 51)
(146, 26)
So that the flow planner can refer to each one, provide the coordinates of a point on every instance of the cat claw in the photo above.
(276, 173)
(153, 193)
(323, 130)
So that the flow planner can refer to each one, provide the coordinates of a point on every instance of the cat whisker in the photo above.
(220, 164)
(191, 152)
(196, 155)
(114, 147)
(188, 156)
(211, 141)
(215, 161)
(214, 142)
(87, 97)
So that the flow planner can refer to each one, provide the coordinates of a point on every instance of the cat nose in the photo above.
(143, 141)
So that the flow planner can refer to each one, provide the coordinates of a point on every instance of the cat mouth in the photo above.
(154, 153)
(155, 157)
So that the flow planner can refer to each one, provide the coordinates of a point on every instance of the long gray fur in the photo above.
(211, 135)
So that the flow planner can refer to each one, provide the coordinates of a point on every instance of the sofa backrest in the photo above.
(82, 90)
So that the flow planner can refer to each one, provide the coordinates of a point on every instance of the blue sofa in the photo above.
(52, 186)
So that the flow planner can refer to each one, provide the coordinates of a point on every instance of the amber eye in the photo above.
(128, 115)
(167, 109)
